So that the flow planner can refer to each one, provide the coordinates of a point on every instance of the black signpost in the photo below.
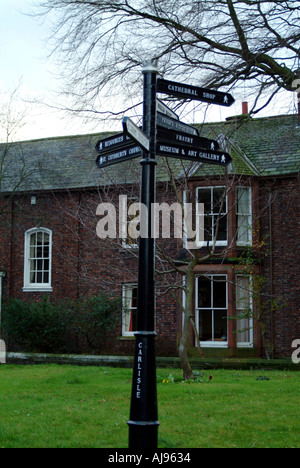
(162, 134)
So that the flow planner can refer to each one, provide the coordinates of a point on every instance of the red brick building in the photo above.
(246, 297)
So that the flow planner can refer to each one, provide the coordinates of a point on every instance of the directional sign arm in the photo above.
(171, 124)
(195, 93)
(163, 109)
(171, 137)
(121, 155)
(194, 154)
(110, 144)
(136, 133)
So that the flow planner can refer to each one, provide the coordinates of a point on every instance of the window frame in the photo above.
(244, 344)
(28, 285)
(211, 344)
(212, 215)
(125, 288)
(128, 242)
(249, 215)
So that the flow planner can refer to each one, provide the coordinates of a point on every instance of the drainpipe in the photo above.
(271, 271)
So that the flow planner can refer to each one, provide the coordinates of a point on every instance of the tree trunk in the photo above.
(185, 339)
(183, 350)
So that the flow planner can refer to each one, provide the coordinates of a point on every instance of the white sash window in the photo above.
(37, 260)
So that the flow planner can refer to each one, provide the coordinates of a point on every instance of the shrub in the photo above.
(56, 327)
(37, 326)
(96, 317)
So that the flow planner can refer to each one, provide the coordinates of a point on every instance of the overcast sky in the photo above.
(23, 52)
(23, 55)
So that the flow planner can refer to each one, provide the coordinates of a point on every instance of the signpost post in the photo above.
(162, 134)
(143, 423)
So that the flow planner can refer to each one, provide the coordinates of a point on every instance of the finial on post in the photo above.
(151, 66)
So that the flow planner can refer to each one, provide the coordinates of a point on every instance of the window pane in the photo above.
(243, 293)
(204, 292)
(243, 331)
(204, 196)
(39, 251)
(207, 228)
(219, 201)
(243, 229)
(32, 252)
(130, 309)
(222, 229)
(39, 277)
(40, 238)
(220, 325)
(243, 194)
(243, 306)
(134, 297)
(46, 277)
(133, 316)
(33, 240)
(244, 218)
(220, 293)
(205, 325)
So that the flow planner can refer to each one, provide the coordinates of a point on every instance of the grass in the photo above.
(52, 406)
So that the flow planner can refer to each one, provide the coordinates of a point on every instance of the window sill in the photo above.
(41, 289)
(214, 344)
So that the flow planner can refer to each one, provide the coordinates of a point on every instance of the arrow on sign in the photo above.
(136, 134)
(194, 93)
(194, 154)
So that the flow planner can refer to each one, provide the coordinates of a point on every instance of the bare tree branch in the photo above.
(102, 44)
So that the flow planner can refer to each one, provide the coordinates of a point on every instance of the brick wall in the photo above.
(281, 226)
(82, 264)
(85, 265)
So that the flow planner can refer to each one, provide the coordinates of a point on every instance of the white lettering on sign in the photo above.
(184, 139)
(183, 90)
(135, 150)
(169, 149)
(139, 371)
(209, 96)
(118, 155)
(210, 156)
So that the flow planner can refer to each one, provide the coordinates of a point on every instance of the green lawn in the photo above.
(64, 406)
